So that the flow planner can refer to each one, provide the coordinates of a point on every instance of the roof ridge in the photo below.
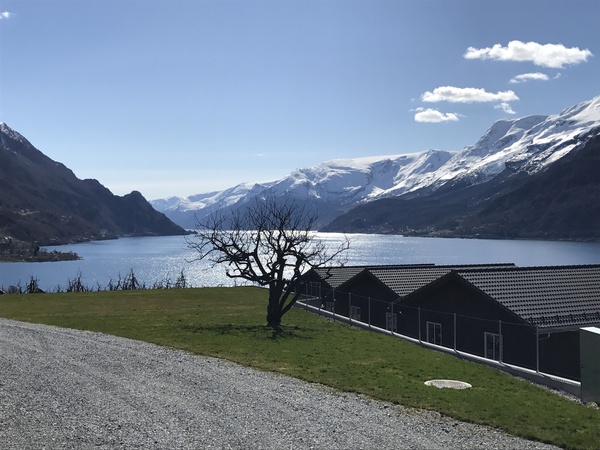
(375, 266)
(478, 265)
(447, 266)
(529, 268)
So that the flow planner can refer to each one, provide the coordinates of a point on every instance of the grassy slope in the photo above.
(227, 323)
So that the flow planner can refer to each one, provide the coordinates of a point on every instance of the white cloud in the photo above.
(505, 107)
(537, 76)
(547, 55)
(434, 116)
(5, 15)
(466, 95)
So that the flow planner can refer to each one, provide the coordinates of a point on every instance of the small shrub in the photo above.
(33, 286)
(181, 282)
(76, 285)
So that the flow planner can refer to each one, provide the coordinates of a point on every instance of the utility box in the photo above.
(589, 345)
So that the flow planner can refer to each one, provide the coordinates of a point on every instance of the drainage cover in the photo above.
(450, 384)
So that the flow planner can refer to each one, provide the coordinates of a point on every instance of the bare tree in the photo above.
(272, 243)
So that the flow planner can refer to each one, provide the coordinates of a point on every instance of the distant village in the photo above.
(12, 250)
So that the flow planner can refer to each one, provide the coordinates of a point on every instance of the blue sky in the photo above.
(183, 97)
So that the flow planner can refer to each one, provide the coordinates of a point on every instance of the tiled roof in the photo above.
(548, 297)
(405, 280)
(335, 276)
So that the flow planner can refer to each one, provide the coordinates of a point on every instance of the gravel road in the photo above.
(69, 389)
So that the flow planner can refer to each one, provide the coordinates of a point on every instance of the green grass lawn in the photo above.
(228, 323)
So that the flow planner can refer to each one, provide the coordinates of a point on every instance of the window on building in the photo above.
(391, 321)
(434, 333)
(493, 346)
(355, 312)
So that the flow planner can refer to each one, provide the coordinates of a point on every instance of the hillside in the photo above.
(561, 202)
(329, 189)
(558, 202)
(42, 201)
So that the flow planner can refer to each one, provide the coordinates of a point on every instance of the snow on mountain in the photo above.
(184, 210)
(331, 186)
(354, 180)
(220, 198)
(5, 130)
(487, 157)
(526, 144)
(529, 143)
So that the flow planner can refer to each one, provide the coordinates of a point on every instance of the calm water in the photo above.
(157, 258)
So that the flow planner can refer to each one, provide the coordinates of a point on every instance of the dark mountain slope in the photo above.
(42, 201)
(424, 212)
(562, 202)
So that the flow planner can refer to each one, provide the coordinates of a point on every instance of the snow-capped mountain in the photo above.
(186, 210)
(331, 187)
(526, 146)
(529, 143)
(349, 181)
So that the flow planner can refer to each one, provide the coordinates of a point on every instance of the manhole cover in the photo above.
(450, 384)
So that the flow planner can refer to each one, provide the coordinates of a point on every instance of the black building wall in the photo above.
(367, 293)
(465, 315)
(474, 314)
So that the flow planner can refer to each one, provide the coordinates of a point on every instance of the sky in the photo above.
(180, 97)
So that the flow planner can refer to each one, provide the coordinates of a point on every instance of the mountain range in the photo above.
(330, 188)
(531, 177)
(42, 201)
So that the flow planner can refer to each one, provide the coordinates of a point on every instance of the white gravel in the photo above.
(69, 389)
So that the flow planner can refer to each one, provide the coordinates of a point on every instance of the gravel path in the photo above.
(69, 389)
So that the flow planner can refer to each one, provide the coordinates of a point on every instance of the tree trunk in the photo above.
(273, 312)
(273, 317)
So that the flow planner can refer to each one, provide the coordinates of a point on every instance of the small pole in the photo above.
(320, 299)
(350, 306)
(419, 319)
(454, 331)
(333, 292)
(501, 343)
(369, 303)
(537, 349)
(392, 324)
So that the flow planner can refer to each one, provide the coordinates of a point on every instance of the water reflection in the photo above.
(155, 259)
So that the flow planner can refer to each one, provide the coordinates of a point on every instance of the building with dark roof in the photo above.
(551, 298)
(527, 316)
(333, 277)
(367, 293)
(324, 281)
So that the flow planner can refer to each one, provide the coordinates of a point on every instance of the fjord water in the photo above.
(154, 259)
